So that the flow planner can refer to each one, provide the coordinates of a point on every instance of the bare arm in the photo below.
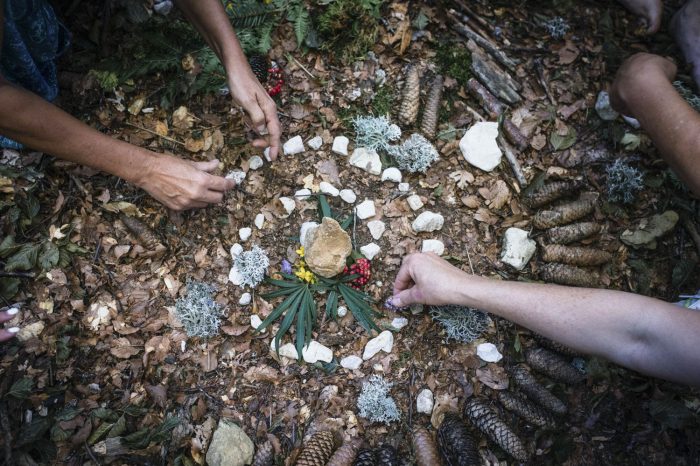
(637, 332)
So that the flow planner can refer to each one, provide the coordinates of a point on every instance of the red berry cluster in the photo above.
(275, 75)
(361, 267)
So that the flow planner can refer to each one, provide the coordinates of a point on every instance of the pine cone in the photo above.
(574, 255)
(457, 446)
(554, 366)
(431, 112)
(536, 392)
(550, 192)
(563, 214)
(555, 346)
(574, 232)
(386, 455)
(365, 458)
(143, 234)
(411, 97)
(487, 420)
(569, 275)
(259, 64)
(318, 449)
(265, 455)
(345, 455)
(424, 448)
(532, 413)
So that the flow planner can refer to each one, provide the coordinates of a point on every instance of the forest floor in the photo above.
(136, 366)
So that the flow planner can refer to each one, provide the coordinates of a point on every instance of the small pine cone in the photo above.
(487, 420)
(555, 346)
(574, 232)
(365, 458)
(424, 448)
(564, 274)
(431, 111)
(537, 392)
(318, 449)
(265, 455)
(532, 413)
(563, 214)
(143, 234)
(554, 366)
(411, 97)
(345, 455)
(574, 255)
(550, 192)
(457, 446)
(386, 455)
(259, 64)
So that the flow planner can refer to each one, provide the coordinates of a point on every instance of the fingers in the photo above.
(404, 278)
(273, 125)
(8, 333)
(217, 183)
(9, 314)
(208, 166)
(406, 297)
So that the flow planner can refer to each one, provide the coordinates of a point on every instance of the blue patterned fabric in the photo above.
(33, 39)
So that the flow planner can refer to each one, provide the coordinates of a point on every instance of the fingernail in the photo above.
(13, 329)
(262, 130)
(12, 311)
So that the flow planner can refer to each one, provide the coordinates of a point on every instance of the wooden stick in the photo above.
(495, 108)
(487, 45)
(513, 161)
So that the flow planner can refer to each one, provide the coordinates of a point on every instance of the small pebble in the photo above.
(236, 249)
(303, 194)
(246, 298)
(255, 162)
(327, 188)
(342, 311)
(348, 195)
(259, 221)
(316, 143)
(365, 209)
(414, 202)
(340, 145)
(404, 187)
(294, 146)
(245, 233)
(288, 204)
(370, 250)
(376, 228)
(351, 362)
(399, 322)
(392, 174)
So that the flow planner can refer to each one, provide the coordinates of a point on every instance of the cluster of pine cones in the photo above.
(563, 261)
(410, 102)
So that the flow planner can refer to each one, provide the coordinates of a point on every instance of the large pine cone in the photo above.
(532, 413)
(345, 455)
(555, 346)
(535, 391)
(431, 111)
(411, 97)
(487, 420)
(565, 274)
(386, 455)
(550, 192)
(457, 446)
(265, 455)
(563, 214)
(424, 448)
(554, 366)
(318, 449)
(259, 64)
(365, 458)
(574, 232)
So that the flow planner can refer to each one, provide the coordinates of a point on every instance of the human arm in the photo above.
(210, 19)
(641, 333)
(643, 89)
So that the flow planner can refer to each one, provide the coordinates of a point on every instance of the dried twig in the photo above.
(291, 57)
(513, 161)
(169, 139)
(495, 109)
(487, 45)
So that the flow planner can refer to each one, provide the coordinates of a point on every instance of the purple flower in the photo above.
(286, 266)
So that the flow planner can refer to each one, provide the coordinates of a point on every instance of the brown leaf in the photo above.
(208, 360)
(159, 346)
(122, 348)
(493, 376)
(262, 373)
(159, 394)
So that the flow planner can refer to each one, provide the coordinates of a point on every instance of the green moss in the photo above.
(358, 19)
(383, 101)
(454, 60)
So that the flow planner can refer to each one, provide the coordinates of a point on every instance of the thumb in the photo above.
(208, 166)
(405, 298)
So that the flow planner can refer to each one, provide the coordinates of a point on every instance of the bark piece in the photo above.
(457, 446)
(424, 448)
(431, 110)
(345, 455)
(535, 391)
(555, 346)
(574, 255)
(410, 97)
(575, 232)
(550, 192)
(532, 413)
(563, 214)
(489, 422)
(318, 449)
(564, 274)
(554, 366)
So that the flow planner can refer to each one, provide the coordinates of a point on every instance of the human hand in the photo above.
(181, 185)
(638, 76)
(425, 278)
(247, 92)
(8, 333)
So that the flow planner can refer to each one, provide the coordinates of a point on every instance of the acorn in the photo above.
(565, 274)
(489, 422)
(345, 455)
(386, 455)
(532, 413)
(424, 448)
(365, 457)
(574, 232)
(535, 391)
(554, 366)
(563, 213)
(456, 444)
(574, 255)
(317, 450)
(550, 192)
(555, 346)
(431, 111)
(260, 65)
(408, 111)
(265, 455)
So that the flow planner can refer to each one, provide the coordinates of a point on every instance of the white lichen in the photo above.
(199, 314)
(376, 133)
(557, 27)
(689, 96)
(624, 182)
(375, 403)
(415, 154)
(461, 323)
(252, 266)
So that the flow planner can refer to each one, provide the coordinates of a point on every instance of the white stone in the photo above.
(266, 153)
(342, 311)
(236, 249)
(404, 187)
(414, 202)
(340, 145)
(633, 122)
(603, 107)
(399, 322)
(246, 298)
(367, 160)
(365, 209)
(488, 352)
(255, 321)
(425, 401)
(288, 204)
(479, 147)
(376, 228)
(382, 342)
(392, 174)
(288, 350)
(255, 162)
(428, 221)
(518, 249)
(237, 176)
(304, 230)
(348, 195)
(370, 250)
(315, 352)
(351, 362)
(294, 146)
(234, 276)
(433, 245)
(327, 188)
(244, 233)
(316, 143)
(302, 194)
(259, 221)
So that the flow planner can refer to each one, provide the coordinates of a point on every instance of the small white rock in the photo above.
(327, 188)
(294, 146)
(488, 352)
(259, 221)
(246, 298)
(237, 176)
(316, 143)
(392, 174)
(603, 107)
(340, 145)
(288, 204)
(234, 276)
(236, 249)
(370, 250)
(365, 209)
(245, 233)
(479, 147)
(428, 221)
(183, 345)
(404, 187)
(633, 122)
(255, 320)
(315, 352)
(433, 245)
(414, 202)
(266, 154)
(376, 228)
(302, 194)
(351, 362)
(304, 230)
(399, 322)
(518, 248)
(342, 311)
(348, 195)
(288, 350)
(255, 162)
(382, 342)
(425, 401)
(367, 160)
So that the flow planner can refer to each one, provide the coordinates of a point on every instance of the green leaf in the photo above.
(100, 432)
(562, 142)
(324, 207)
(359, 307)
(8, 246)
(345, 224)
(302, 325)
(332, 305)
(274, 315)
(24, 259)
(49, 256)
(118, 428)
(630, 141)
(21, 389)
(301, 24)
(421, 21)
(9, 287)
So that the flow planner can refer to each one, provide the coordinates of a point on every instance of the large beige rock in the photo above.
(328, 246)
(230, 446)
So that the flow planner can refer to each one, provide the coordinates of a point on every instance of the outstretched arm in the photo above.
(641, 333)
(209, 17)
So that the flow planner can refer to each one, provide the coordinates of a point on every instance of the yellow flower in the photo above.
(300, 251)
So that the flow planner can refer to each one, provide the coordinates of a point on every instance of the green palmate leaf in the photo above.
(345, 224)
(332, 305)
(9, 287)
(324, 207)
(8, 246)
(301, 24)
(359, 305)
(24, 259)
(563, 142)
(302, 325)
(277, 312)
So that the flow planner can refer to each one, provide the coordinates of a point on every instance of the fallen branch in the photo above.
(513, 161)
(486, 44)
(495, 109)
